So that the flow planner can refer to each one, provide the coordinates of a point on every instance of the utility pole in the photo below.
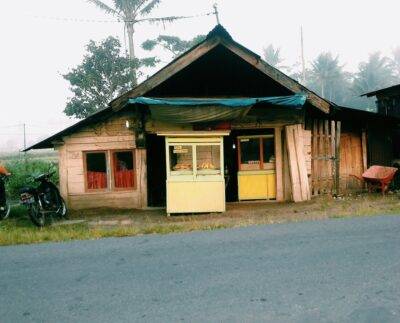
(24, 126)
(303, 62)
(216, 13)
(25, 160)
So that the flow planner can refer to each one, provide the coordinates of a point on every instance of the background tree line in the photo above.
(328, 78)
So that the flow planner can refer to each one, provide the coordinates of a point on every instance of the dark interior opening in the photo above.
(156, 171)
(124, 160)
(96, 162)
(219, 73)
(96, 171)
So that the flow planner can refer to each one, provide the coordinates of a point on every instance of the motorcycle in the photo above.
(4, 205)
(43, 201)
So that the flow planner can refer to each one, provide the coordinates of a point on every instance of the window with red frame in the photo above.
(96, 170)
(124, 170)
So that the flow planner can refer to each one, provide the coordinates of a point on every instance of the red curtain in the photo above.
(124, 178)
(96, 180)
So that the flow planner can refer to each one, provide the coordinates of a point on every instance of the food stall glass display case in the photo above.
(256, 160)
(195, 172)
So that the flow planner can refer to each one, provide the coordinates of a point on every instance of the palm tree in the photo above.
(132, 12)
(396, 61)
(272, 56)
(374, 74)
(325, 73)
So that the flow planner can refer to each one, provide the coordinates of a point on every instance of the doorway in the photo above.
(260, 175)
(156, 170)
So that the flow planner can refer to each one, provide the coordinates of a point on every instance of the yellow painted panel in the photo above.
(257, 186)
(195, 197)
(271, 184)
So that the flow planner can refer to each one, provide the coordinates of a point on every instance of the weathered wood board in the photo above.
(297, 163)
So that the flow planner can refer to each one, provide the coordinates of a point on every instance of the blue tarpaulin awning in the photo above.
(296, 101)
(176, 110)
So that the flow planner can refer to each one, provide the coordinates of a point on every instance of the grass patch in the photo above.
(19, 230)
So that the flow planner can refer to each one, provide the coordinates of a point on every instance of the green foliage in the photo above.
(175, 45)
(273, 56)
(374, 74)
(396, 62)
(327, 78)
(23, 173)
(103, 75)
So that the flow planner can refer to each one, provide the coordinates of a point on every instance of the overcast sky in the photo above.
(37, 47)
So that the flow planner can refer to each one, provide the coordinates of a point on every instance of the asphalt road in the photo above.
(344, 270)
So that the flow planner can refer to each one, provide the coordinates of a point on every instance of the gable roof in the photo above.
(219, 36)
(388, 90)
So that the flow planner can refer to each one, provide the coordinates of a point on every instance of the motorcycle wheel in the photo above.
(6, 212)
(63, 211)
(36, 216)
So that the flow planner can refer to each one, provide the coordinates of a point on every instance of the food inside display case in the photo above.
(181, 159)
(208, 159)
(195, 181)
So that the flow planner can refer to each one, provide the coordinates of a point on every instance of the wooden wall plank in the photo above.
(301, 162)
(297, 164)
(293, 169)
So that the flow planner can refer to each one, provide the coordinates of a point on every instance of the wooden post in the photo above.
(315, 171)
(364, 149)
(279, 164)
(321, 168)
(328, 175)
(63, 171)
(333, 155)
(337, 157)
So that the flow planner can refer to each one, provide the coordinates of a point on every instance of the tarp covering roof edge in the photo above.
(296, 100)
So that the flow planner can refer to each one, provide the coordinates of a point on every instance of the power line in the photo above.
(85, 20)
(71, 19)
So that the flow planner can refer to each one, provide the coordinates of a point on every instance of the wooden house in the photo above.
(387, 100)
(216, 124)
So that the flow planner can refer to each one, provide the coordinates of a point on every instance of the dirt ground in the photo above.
(249, 213)
(102, 223)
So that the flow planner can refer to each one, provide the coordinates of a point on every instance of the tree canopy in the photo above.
(273, 56)
(172, 44)
(133, 12)
(328, 79)
(103, 75)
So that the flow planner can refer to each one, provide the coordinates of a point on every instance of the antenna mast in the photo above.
(216, 13)
(303, 62)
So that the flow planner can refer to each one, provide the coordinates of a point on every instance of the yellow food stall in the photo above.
(256, 160)
(195, 172)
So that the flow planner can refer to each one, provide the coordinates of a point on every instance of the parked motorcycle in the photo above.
(4, 205)
(44, 201)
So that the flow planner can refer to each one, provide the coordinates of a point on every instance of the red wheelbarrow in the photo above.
(378, 177)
